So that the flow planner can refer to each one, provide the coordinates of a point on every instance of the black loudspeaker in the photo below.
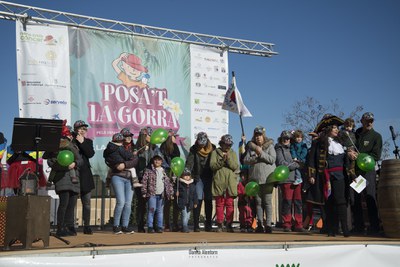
(28, 220)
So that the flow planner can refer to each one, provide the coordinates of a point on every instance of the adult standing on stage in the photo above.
(370, 142)
(145, 152)
(66, 181)
(86, 150)
(328, 167)
(169, 150)
(198, 162)
(261, 157)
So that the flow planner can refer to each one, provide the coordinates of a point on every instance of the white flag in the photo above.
(233, 101)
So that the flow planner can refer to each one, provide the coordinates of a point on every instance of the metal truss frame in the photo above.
(13, 11)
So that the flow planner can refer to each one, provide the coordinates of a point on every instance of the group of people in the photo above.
(319, 177)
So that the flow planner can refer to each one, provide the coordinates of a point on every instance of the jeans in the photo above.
(185, 218)
(85, 199)
(264, 204)
(124, 194)
(156, 207)
(66, 208)
(203, 191)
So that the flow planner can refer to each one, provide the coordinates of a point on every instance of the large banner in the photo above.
(112, 81)
(42, 69)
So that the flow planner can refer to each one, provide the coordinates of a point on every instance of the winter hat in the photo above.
(202, 138)
(117, 137)
(186, 172)
(226, 139)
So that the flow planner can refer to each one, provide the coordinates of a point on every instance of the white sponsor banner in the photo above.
(209, 83)
(43, 71)
(327, 256)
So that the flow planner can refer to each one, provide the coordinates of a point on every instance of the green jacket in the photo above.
(225, 177)
(369, 142)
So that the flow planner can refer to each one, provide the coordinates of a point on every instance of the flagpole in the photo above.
(240, 113)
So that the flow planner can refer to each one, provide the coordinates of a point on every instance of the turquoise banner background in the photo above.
(92, 54)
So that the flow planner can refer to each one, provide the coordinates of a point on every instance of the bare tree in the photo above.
(305, 114)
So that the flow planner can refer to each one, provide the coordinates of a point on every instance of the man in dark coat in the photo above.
(86, 150)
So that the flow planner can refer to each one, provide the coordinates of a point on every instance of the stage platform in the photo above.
(106, 240)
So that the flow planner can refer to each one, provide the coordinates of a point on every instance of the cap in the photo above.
(202, 138)
(286, 134)
(146, 130)
(328, 120)
(227, 139)
(126, 132)
(79, 124)
(186, 172)
(117, 137)
(259, 130)
(367, 116)
(158, 155)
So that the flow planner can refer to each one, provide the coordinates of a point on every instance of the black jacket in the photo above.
(187, 194)
(86, 151)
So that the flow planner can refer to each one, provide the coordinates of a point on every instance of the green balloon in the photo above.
(158, 136)
(65, 157)
(252, 189)
(365, 162)
(177, 166)
(281, 173)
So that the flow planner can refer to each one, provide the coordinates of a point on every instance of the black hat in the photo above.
(79, 124)
(286, 134)
(328, 120)
(126, 132)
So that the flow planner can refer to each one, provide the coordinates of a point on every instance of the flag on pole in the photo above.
(233, 101)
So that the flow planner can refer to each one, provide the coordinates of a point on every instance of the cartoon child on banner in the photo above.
(130, 71)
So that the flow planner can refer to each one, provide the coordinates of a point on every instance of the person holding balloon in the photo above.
(291, 193)
(224, 164)
(261, 157)
(64, 173)
(246, 192)
(369, 150)
(198, 162)
(328, 175)
(145, 151)
(170, 150)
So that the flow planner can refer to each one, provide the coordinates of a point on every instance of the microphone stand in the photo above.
(396, 149)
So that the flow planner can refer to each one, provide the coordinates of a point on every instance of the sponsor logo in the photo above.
(212, 94)
(54, 102)
(211, 59)
(51, 55)
(199, 93)
(222, 87)
(197, 101)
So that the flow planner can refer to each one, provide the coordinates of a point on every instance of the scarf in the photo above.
(204, 151)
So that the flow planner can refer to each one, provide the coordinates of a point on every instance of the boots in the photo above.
(260, 228)
(342, 214)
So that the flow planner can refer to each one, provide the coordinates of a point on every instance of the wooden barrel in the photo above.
(389, 197)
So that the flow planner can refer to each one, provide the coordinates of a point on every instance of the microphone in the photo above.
(392, 131)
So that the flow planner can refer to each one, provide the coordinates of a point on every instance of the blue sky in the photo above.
(333, 49)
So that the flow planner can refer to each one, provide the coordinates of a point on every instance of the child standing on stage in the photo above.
(187, 197)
